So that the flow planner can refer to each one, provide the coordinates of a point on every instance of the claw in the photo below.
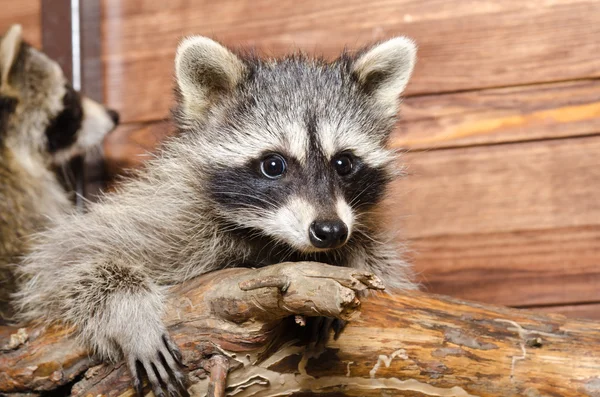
(138, 387)
(171, 391)
(167, 362)
(139, 390)
(170, 363)
(163, 371)
(180, 379)
(173, 349)
(182, 390)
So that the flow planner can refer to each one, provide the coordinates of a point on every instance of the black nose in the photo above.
(114, 116)
(328, 234)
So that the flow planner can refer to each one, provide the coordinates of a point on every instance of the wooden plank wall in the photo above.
(501, 125)
(25, 12)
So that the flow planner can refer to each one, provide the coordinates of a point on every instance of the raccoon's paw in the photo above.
(161, 361)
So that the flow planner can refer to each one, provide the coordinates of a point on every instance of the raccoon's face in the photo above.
(295, 148)
(48, 117)
(78, 125)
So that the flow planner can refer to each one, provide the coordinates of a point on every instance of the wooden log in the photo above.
(410, 344)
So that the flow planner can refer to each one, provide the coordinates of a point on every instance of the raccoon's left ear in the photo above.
(205, 70)
(9, 48)
(385, 69)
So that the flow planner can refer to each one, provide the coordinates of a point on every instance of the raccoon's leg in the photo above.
(116, 310)
(130, 317)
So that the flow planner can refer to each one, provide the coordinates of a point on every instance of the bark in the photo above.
(238, 334)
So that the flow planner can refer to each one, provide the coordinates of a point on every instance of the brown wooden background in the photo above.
(501, 123)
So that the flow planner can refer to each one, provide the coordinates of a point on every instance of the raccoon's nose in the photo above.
(328, 233)
(114, 116)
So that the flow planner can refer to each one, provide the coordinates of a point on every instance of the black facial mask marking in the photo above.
(246, 187)
(62, 130)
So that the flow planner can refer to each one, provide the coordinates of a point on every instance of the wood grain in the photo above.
(463, 45)
(513, 224)
(57, 34)
(501, 188)
(26, 13)
(92, 71)
(521, 268)
(512, 114)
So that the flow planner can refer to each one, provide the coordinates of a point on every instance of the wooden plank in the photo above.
(500, 188)
(463, 45)
(520, 268)
(92, 73)
(92, 85)
(587, 311)
(25, 12)
(515, 224)
(500, 115)
(57, 34)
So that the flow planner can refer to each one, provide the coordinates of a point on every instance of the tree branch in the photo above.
(241, 322)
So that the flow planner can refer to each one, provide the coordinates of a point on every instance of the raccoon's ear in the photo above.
(9, 48)
(385, 69)
(205, 70)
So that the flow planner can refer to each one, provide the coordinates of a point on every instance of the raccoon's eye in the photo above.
(273, 166)
(343, 164)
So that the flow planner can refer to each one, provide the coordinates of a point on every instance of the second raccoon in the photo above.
(44, 123)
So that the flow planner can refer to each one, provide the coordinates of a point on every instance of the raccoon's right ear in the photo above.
(205, 70)
(384, 71)
(9, 48)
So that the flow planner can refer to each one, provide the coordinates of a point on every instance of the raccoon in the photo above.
(275, 160)
(43, 124)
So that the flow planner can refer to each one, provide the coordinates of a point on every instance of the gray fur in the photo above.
(32, 88)
(105, 271)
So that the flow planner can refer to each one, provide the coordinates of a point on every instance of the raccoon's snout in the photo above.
(328, 233)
